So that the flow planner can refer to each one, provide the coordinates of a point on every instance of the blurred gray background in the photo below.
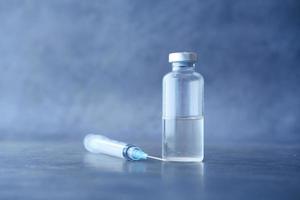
(68, 68)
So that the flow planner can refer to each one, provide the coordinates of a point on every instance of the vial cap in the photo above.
(183, 57)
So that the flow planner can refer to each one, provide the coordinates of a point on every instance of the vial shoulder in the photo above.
(168, 76)
(198, 76)
(194, 76)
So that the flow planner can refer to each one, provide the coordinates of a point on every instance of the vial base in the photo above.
(183, 139)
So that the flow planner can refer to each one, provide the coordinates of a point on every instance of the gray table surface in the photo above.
(64, 170)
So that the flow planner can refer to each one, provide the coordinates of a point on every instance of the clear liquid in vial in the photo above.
(183, 139)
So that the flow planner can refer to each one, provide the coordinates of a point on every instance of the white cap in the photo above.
(182, 56)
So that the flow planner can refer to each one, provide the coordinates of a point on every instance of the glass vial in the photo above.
(182, 134)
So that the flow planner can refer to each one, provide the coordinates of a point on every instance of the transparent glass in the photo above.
(183, 114)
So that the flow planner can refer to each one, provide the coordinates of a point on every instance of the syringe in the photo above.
(101, 144)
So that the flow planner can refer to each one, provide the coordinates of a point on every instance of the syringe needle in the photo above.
(155, 158)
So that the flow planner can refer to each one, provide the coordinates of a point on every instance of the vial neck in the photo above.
(183, 66)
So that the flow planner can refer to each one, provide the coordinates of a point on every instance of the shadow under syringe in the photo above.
(106, 163)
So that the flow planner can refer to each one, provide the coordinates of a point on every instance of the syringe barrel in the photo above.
(101, 144)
